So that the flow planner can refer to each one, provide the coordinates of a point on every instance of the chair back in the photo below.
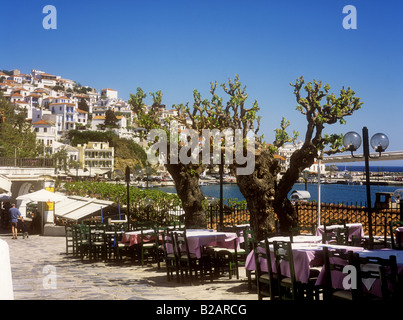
(335, 261)
(249, 239)
(283, 252)
(262, 254)
(381, 269)
(168, 242)
(182, 246)
(97, 233)
(336, 236)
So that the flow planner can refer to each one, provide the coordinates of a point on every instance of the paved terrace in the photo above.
(33, 258)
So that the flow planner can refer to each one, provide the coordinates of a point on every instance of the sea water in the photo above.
(330, 193)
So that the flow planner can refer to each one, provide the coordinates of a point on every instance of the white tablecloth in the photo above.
(6, 282)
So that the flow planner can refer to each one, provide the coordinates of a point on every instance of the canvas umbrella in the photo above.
(42, 196)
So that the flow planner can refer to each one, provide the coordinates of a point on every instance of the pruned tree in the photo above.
(185, 174)
(266, 197)
(320, 108)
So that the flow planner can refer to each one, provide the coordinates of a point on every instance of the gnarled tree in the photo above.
(266, 197)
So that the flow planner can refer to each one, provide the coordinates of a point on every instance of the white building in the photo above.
(46, 134)
(63, 107)
(82, 117)
(109, 93)
(97, 157)
(288, 149)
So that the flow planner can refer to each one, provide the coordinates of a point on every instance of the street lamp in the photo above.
(379, 142)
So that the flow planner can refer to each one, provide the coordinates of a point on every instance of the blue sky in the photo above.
(177, 46)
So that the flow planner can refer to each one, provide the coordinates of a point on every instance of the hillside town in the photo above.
(55, 105)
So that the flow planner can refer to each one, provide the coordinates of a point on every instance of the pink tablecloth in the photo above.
(198, 239)
(134, 237)
(369, 286)
(305, 255)
(354, 229)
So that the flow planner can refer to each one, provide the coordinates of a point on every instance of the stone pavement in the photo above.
(41, 270)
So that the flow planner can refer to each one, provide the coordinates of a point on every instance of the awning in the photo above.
(300, 195)
(42, 196)
(76, 208)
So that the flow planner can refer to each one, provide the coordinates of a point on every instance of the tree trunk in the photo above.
(259, 190)
(186, 179)
(300, 160)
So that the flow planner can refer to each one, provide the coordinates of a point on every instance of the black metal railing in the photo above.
(26, 162)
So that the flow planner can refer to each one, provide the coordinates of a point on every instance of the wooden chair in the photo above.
(336, 236)
(226, 260)
(380, 269)
(249, 244)
(81, 239)
(287, 285)
(69, 239)
(115, 247)
(170, 256)
(396, 237)
(335, 261)
(97, 242)
(76, 233)
(266, 281)
(289, 288)
(188, 262)
(159, 250)
(147, 248)
(229, 260)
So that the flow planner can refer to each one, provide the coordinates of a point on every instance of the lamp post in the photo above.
(379, 142)
(127, 176)
(221, 193)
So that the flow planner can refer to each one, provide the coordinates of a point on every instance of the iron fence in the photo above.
(26, 162)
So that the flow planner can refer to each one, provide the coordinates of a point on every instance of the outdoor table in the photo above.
(369, 285)
(306, 254)
(134, 237)
(198, 239)
(6, 282)
(298, 239)
(354, 229)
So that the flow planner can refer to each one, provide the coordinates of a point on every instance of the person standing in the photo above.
(14, 215)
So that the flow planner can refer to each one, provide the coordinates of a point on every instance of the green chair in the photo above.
(287, 285)
(226, 260)
(81, 235)
(97, 242)
(188, 263)
(146, 249)
(335, 261)
(337, 236)
(248, 246)
(266, 281)
(159, 250)
(289, 288)
(170, 256)
(69, 239)
(381, 269)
